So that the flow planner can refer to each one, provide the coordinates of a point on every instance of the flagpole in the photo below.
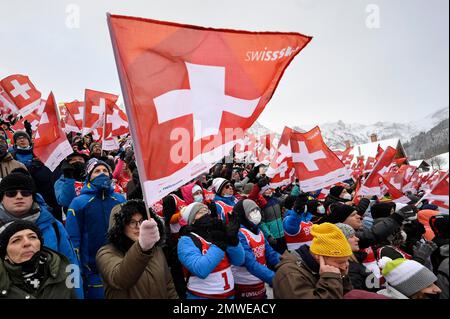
(128, 109)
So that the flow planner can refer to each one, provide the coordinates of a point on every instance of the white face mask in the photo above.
(321, 210)
(198, 198)
(347, 196)
(255, 217)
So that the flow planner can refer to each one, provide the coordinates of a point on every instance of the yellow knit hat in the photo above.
(329, 241)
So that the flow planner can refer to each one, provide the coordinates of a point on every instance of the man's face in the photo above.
(17, 202)
(22, 141)
(339, 262)
(227, 190)
(97, 150)
(354, 220)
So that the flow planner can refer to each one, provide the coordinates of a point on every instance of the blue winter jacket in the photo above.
(58, 242)
(201, 265)
(23, 156)
(292, 220)
(65, 190)
(253, 266)
(227, 200)
(88, 221)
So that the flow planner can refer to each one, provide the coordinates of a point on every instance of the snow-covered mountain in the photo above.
(336, 133)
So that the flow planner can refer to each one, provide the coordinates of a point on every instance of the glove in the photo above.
(407, 212)
(252, 175)
(263, 181)
(148, 234)
(68, 170)
(422, 251)
(232, 230)
(218, 235)
(272, 241)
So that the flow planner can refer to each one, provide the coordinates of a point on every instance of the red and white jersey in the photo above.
(219, 283)
(257, 244)
(302, 237)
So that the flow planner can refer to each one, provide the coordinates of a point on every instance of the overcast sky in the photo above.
(356, 68)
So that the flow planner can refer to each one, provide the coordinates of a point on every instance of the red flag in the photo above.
(22, 93)
(371, 185)
(281, 169)
(439, 194)
(187, 87)
(96, 103)
(116, 121)
(74, 115)
(315, 164)
(396, 194)
(400, 161)
(50, 143)
(380, 152)
(370, 164)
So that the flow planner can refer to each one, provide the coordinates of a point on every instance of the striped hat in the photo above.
(406, 276)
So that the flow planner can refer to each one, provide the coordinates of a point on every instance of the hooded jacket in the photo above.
(88, 222)
(7, 164)
(53, 286)
(134, 274)
(300, 279)
(54, 234)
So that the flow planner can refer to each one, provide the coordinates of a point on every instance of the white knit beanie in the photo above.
(406, 276)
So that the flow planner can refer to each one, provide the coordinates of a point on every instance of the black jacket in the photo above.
(379, 231)
(360, 208)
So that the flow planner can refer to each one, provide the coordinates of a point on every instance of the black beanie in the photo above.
(21, 134)
(382, 210)
(439, 225)
(336, 191)
(338, 213)
(16, 181)
(289, 202)
(8, 230)
(300, 203)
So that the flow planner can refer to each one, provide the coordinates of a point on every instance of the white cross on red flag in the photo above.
(96, 103)
(33, 118)
(371, 185)
(22, 93)
(316, 166)
(439, 194)
(191, 92)
(50, 143)
(281, 171)
(396, 195)
(74, 116)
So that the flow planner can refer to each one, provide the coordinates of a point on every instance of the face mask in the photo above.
(347, 196)
(79, 172)
(101, 182)
(321, 210)
(227, 195)
(255, 217)
(198, 198)
(203, 221)
(24, 148)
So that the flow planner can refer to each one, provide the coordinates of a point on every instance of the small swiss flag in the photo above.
(22, 93)
(50, 143)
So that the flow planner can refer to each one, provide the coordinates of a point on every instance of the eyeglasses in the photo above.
(13, 193)
(135, 223)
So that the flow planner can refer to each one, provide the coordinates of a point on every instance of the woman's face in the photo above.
(132, 228)
(22, 246)
(353, 241)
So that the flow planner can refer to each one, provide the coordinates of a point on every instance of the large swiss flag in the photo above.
(186, 88)
(315, 164)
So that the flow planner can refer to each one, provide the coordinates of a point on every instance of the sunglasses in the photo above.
(13, 193)
(228, 186)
